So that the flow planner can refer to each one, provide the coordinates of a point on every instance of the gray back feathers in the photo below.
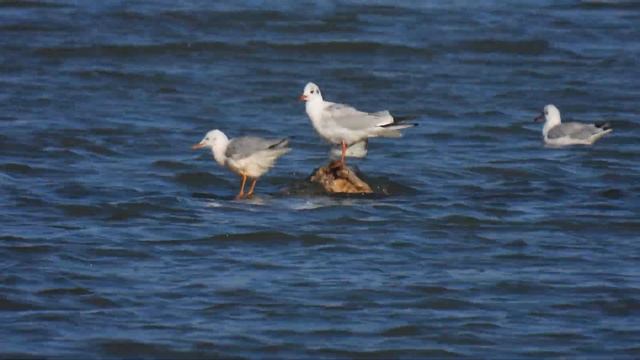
(573, 130)
(353, 119)
(246, 146)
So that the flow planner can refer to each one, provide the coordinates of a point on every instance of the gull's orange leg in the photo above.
(241, 193)
(344, 152)
(253, 186)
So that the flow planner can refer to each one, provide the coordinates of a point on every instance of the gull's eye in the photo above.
(546, 113)
(312, 91)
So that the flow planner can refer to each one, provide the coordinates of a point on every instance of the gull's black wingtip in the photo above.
(397, 124)
(283, 142)
(604, 125)
(400, 120)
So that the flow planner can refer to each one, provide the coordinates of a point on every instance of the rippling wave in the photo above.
(118, 240)
(525, 47)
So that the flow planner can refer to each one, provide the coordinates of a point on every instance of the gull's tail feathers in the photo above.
(393, 129)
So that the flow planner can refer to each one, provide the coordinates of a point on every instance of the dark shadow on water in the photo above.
(382, 186)
(211, 196)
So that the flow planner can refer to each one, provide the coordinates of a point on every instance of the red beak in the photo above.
(197, 146)
(303, 97)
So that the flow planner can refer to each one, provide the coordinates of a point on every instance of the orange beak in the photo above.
(197, 146)
(303, 97)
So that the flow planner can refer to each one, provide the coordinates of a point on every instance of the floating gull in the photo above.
(571, 133)
(345, 125)
(247, 156)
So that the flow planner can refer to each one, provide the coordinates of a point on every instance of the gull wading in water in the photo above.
(570, 133)
(345, 125)
(247, 156)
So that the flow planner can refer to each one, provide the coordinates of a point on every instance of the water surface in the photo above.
(117, 240)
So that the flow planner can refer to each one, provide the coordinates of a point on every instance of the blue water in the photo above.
(119, 241)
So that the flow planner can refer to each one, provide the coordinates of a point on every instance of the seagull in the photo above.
(344, 125)
(247, 156)
(570, 133)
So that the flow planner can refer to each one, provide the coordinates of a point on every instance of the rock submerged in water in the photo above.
(337, 178)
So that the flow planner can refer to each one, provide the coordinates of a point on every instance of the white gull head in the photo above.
(551, 117)
(311, 93)
(217, 141)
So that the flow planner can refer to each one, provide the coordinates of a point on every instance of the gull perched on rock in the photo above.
(571, 133)
(247, 156)
(344, 125)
